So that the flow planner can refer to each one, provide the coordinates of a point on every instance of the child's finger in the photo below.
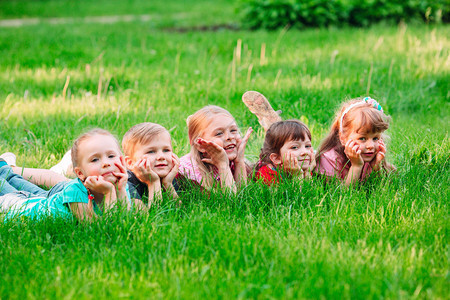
(120, 167)
(207, 160)
(349, 142)
(175, 159)
(295, 161)
(247, 135)
(122, 160)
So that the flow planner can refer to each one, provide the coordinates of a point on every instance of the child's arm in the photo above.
(354, 155)
(83, 211)
(376, 162)
(143, 171)
(218, 157)
(290, 164)
(240, 172)
(101, 188)
(167, 182)
(41, 177)
(122, 177)
(308, 173)
(102, 192)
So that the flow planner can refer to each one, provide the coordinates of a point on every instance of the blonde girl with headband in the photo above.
(217, 150)
(101, 183)
(355, 147)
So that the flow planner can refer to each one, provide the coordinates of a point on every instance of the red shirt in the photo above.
(268, 175)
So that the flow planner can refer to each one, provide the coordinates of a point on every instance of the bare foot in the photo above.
(260, 107)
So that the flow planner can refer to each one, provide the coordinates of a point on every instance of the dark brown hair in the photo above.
(277, 135)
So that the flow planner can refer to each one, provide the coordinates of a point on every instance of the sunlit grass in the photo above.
(385, 239)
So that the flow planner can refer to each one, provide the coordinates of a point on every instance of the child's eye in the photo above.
(94, 160)
(150, 152)
(376, 138)
(166, 150)
(219, 133)
(234, 130)
(362, 139)
(294, 147)
(111, 156)
(308, 146)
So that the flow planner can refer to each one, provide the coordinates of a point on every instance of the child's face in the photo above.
(158, 151)
(98, 156)
(368, 143)
(303, 150)
(224, 132)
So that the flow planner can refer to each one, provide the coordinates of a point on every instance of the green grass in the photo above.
(386, 239)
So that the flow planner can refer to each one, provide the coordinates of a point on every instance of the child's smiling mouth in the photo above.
(108, 174)
(230, 147)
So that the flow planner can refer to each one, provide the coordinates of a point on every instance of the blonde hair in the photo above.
(197, 124)
(361, 118)
(76, 144)
(140, 134)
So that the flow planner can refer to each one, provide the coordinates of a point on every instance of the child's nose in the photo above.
(303, 151)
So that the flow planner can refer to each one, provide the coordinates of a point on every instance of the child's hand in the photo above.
(290, 163)
(312, 164)
(241, 144)
(122, 175)
(98, 184)
(167, 181)
(376, 162)
(353, 153)
(143, 171)
(217, 156)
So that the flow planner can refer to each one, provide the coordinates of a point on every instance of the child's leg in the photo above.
(5, 187)
(11, 182)
(260, 107)
(41, 177)
(12, 201)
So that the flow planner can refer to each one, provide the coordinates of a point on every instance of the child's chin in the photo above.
(369, 159)
(231, 156)
(111, 179)
(162, 174)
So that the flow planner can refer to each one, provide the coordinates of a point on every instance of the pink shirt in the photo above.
(189, 169)
(334, 165)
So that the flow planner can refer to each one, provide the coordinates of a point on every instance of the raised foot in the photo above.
(261, 108)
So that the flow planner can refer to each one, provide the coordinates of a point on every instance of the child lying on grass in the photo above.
(152, 165)
(287, 148)
(217, 150)
(355, 146)
(101, 184)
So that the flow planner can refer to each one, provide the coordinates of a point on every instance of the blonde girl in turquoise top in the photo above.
(101, 183)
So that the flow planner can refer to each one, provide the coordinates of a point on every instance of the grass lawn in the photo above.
(386, 239)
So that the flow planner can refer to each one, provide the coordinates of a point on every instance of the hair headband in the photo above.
(369, 100)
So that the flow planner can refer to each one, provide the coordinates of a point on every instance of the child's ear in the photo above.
(128, 162)
(341, 139)
(79, 173)
(275, 159)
